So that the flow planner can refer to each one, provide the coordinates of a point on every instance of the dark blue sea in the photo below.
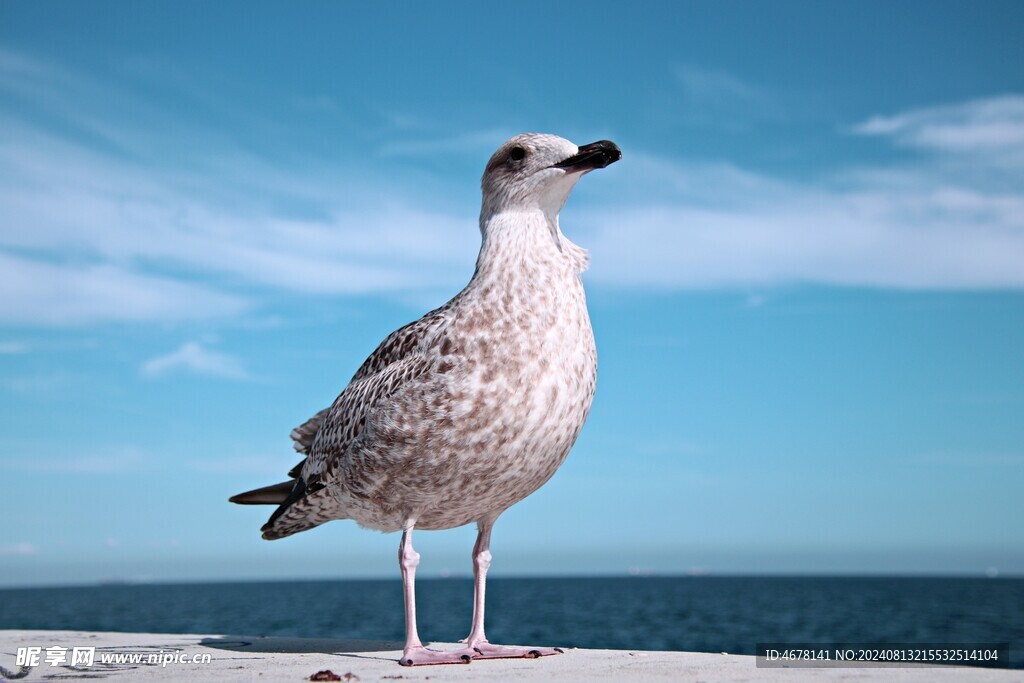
(713, 614)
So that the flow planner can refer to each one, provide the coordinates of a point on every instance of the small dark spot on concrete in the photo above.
(325, 675)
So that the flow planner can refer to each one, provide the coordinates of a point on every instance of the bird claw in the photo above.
(488, 651)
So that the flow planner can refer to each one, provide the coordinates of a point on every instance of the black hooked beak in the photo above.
(595, 155)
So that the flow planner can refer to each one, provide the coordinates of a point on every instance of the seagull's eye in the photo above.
(517, 154)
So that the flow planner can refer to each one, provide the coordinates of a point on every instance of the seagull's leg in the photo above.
(477, 640)
(415, 654)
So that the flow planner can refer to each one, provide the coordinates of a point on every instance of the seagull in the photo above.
(465, 412)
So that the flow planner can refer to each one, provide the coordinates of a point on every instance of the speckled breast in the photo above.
(512, 387)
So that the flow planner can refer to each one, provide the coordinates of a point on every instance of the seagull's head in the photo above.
(537, 171)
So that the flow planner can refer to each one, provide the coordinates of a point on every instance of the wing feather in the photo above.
(326, 437)
(304, 434)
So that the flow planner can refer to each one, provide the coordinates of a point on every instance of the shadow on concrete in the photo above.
(298, 645)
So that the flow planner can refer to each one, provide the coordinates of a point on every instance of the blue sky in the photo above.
(807, 277)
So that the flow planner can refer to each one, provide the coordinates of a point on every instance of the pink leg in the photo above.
(415, 654)
(477, 640)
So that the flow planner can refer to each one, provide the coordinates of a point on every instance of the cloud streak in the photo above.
(100, 225)
(118, 460)
(715, 97)
(710, 87)
(95, 234)
(12, 348)
(951, 219)
(872, 235)
(983, 126)
(19, 550)
(44, 293)
(193, 358)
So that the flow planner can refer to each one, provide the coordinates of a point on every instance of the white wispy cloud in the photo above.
(985, 125)
(951, 220)
(717, 97)
(120, 459)
(716, 85)
(82, 202)
(193, 358)
(41, 292)
(19, 550)
(99, 226)
(43, 383)
(939, 239)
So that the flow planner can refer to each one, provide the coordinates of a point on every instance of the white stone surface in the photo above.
(244, 658)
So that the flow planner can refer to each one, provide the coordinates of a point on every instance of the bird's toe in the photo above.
(489, 651)
(421, 656)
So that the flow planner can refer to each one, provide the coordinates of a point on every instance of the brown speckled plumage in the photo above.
(468, 410)
(471, 408)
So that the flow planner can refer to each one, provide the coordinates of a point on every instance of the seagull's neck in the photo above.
(526, 240)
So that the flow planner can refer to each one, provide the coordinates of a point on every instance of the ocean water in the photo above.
(713, 614)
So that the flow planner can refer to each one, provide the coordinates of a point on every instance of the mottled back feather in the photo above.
(326, 436)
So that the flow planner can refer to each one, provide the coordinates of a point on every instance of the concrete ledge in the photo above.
(254, 658)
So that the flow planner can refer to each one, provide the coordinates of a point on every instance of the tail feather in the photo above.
(268, 495)
(300, 507)
(300, 515)
(305, 508)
